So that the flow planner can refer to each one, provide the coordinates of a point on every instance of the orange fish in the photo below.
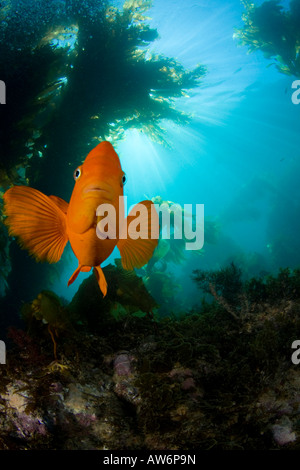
(44, 224)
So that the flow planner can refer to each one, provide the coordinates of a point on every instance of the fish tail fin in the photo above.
(37, 222)
(101, 279)
(136, 252)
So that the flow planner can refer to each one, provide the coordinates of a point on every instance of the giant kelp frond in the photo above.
(133, 88)
(78, 72)
(82, 69)
(34, 70)
(275, 31)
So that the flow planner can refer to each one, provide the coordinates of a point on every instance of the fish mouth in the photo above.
(97, 191)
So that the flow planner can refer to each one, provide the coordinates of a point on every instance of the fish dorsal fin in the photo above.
(63, 205)
(135, 253)
(37, 221)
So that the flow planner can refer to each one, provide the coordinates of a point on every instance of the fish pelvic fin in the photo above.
(80, 268)
(101, 280)
(37, 222)
(98, 273)
(136, 252)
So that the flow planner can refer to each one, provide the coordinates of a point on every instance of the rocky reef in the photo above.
(134, 381)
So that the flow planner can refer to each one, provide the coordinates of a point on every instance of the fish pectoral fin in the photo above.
(101, 280)
(136, 252)
(61, 204)
(37, 221)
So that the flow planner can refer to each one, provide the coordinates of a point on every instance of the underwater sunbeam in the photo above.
(140, 158)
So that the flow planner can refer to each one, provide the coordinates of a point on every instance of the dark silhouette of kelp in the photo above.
(78, 73)
(275, 31)
(78, 77)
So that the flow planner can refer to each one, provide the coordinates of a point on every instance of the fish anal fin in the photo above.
(37, 221)
(136, 252)
(101, 280)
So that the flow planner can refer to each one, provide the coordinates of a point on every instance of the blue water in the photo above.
(239, 155)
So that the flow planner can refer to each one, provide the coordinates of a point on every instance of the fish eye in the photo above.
(77, 173)
(124, 179)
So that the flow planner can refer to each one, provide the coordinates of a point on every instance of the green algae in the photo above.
(206, 379)
(274, 30)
